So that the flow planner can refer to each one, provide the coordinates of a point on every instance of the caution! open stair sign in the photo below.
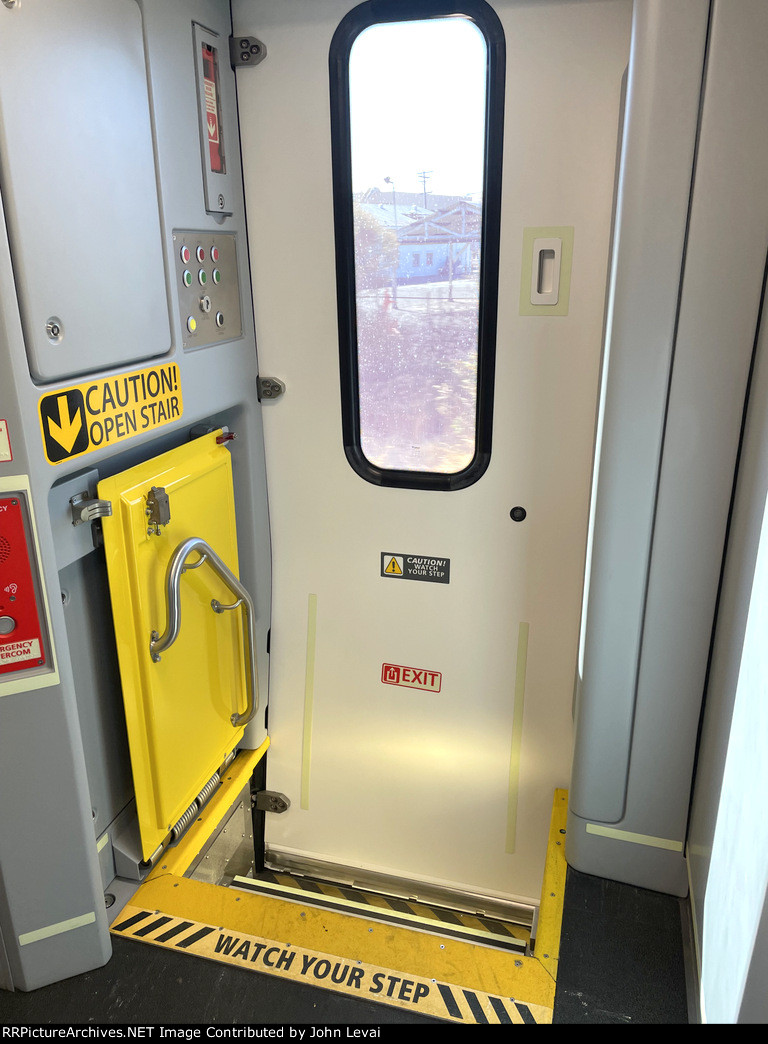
(88, 416)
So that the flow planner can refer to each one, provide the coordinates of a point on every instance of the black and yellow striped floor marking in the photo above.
(450, 978)
(427, 996)
(453, 923)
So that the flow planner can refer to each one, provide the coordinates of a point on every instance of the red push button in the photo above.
(214, 253)
(185, 255)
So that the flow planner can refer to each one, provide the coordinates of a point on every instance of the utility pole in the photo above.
(389, 181)
(424, 176)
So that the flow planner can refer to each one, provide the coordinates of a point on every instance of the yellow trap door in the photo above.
(185, 706)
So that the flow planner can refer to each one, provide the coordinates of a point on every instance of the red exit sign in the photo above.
(411, 677)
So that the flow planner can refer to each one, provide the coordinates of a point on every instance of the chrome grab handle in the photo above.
(176, 567)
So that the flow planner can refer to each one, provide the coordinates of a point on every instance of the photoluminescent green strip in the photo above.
(517, 736)
(309, 698)
(56, 929)
(635, 839)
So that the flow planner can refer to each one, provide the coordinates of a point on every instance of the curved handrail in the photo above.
(176, 567)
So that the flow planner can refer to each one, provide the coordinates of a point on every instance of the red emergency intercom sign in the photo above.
(21, 638)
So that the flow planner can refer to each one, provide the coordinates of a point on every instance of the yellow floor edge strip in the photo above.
(450, 979)
(547, 946)
(446, 978)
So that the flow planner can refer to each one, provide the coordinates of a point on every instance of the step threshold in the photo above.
(497, 935)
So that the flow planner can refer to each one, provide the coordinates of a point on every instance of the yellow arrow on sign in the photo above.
(68, 428)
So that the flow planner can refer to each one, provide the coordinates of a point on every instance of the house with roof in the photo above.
(433, 245)
(441, 245)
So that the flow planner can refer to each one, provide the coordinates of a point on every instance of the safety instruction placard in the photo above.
(98, 413)
(415, 567)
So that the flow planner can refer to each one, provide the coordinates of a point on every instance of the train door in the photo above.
(424, 638)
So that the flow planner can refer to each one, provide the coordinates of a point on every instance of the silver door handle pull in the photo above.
(176, 568)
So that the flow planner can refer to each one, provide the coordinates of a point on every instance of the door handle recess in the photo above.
(177, 566)
(545, 271)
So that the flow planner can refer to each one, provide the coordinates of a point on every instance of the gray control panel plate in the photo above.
(207, 287)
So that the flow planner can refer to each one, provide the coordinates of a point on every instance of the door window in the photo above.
(417, 123)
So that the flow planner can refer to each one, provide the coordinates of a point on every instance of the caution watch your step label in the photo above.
(415, 567)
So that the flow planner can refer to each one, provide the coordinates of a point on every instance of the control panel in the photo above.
(207, 287)
(22, 641)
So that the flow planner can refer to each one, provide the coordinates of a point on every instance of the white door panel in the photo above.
(455, 787)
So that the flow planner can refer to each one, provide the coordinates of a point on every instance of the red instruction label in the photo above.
(411, 677)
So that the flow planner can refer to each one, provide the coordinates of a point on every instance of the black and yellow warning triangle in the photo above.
(394, 568)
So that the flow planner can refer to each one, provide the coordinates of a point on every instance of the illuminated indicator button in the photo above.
(216, 275)
(7, 625)
(191, 323)
(219, 319)
(187, 277)
(202, 278)
(200, 254)
(185, 255)
(214, 253)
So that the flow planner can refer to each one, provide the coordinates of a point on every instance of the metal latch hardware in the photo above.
(271, 801)
(270, 388)
(158, 509)
(86, 508)
(246, 50)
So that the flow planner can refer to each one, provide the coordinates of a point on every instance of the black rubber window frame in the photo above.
(362, 17)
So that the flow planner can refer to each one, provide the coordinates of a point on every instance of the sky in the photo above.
(417, 102)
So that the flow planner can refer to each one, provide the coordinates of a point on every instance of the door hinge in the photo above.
(270, 801)
(246, 50)
(270, 388)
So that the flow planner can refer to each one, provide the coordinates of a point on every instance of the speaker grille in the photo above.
(5, 549)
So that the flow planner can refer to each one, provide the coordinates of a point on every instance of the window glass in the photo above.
(417, 107)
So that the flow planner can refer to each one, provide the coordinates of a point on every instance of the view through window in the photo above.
(417, 98)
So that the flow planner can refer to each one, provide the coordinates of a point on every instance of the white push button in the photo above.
(7, 625)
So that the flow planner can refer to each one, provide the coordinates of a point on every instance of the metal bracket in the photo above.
(270, 388)
(158, 509)
(271, 801)
(246, 50)
(86, 508)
